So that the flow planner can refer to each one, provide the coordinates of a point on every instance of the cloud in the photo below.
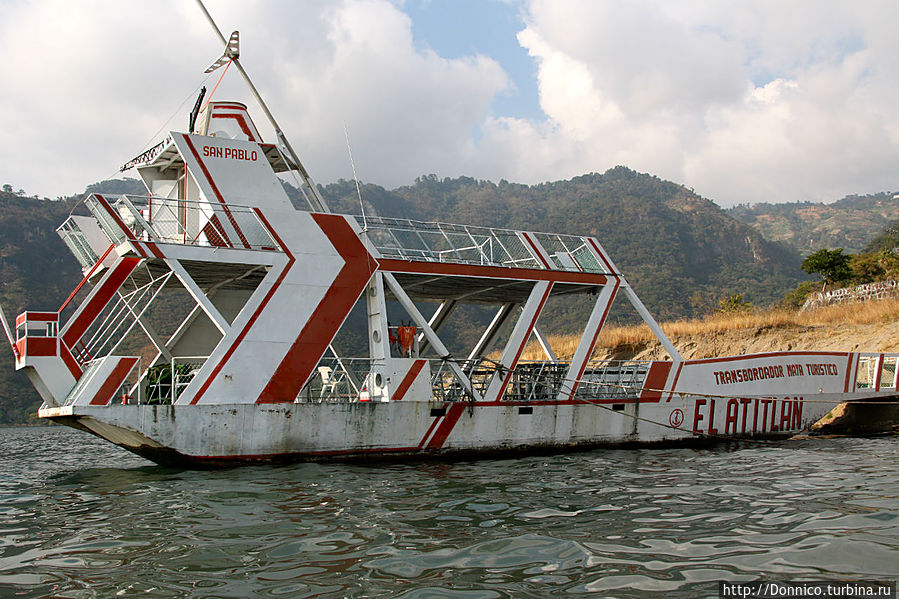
(93, 81)
(744, 101)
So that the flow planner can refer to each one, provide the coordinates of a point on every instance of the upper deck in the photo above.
(411, 240)
(439, 261)
(436, 261)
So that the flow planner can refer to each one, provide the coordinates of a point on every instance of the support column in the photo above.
(605, 259)
(588, 339)
(544, 343)
(211, 311)
(378, 335)
(430, 335)
(485, 343)
(518, 339)
(437, 319)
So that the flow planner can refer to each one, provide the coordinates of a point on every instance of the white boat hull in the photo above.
(221, 434)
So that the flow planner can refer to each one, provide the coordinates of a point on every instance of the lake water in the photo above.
(82, 518)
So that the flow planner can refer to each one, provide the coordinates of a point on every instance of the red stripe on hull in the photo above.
(655, 382)
(431, 428)
(848, 373)
(446, 425)
(680, 368)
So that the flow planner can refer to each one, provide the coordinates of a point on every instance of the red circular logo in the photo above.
(676, 418)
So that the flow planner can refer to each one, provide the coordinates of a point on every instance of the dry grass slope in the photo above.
(869, 326)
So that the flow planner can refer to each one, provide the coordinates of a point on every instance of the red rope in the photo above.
(209, 99)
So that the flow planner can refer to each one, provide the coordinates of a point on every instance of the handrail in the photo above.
(531, 380)
(165, 220)
(875, 366)
(449, 242)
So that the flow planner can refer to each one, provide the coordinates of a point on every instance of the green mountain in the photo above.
(887, 240)
(37, 272)
(851, 223)
(680, 252)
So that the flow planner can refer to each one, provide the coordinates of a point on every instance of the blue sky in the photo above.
(744, 101)
(458, 28)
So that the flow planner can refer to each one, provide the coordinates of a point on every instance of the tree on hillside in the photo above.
(867, 268)
(733, 304)
(832, 265)
(887, 240)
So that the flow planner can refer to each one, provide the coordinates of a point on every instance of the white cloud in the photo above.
(744, 101)
(95, 80)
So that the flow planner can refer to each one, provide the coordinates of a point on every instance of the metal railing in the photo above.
(877, 371)
(129, 391)
(613, 380)
(117, 318)
(443, 242)
(565, 249)
(74, 238)
(530, 381)
(167, 381)
(179, 221)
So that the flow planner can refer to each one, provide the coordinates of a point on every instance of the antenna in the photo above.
(232, 52)
(196, 110)
(355, 178)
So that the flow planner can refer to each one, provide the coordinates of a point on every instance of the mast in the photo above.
(317, 200)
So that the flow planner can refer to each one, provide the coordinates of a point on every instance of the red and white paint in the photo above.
(259, 347)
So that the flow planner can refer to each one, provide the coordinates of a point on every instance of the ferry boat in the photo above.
(251, 371)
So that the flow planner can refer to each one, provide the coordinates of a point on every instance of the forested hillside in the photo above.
(679, 251)
(887, 240)
(850, 223)
(37, 272)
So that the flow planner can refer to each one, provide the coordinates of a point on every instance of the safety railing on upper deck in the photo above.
(75, 239)
(443, 242)
(166, 220)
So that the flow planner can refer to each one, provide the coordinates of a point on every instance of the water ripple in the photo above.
(80, 518)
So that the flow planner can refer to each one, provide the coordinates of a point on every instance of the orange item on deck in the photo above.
(407, 338)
